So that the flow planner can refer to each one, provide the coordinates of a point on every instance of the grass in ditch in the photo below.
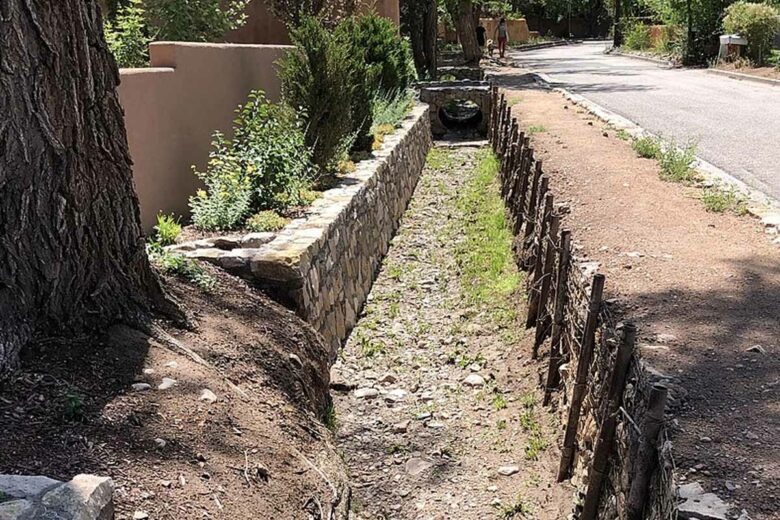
(676, 163)
(440, 159)
(484, 255)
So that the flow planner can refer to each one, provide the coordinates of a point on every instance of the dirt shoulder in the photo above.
(236, 436)
(761, 72)
(704, 288)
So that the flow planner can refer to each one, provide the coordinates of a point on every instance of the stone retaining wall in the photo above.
(323, 265)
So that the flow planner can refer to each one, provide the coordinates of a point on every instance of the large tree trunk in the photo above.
(430, 29)
(419, 19)
(462, 13)
(72, 254)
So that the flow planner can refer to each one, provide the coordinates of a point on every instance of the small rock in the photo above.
(474, 381)
(140, 387)
(387, 379)
(423, 416)
(366, 393)
(166, 483)
(160, 442)
(208, 396)
(757, 348)
(395, 395)
(140, 515)
(415, 466)
(508, 470)
(148, 371)
(705, 439)
(167, 383)
(401, 427)
(172, 364)
(730, 485)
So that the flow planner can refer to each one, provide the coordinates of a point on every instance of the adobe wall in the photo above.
(173, 108)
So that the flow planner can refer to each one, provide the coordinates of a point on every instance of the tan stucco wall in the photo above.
(264, 27)
(173, 108)
(518, 29)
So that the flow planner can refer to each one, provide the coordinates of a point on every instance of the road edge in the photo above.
(760, 205)
(744, 77)
(659, 61)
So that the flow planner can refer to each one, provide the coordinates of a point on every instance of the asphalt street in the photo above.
(736, 124)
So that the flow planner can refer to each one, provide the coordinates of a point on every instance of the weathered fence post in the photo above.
(518, 203)
(535, 274)
(543, 320)
(647, 456)
(534, 223)
(606, 440)
(581, 381)
(493, 112)
(559, 316)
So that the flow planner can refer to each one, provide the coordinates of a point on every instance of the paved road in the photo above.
(736, 123)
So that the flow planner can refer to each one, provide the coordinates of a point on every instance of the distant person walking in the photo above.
(502, 35)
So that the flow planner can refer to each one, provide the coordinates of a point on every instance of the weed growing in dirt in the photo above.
(511, 511)
(536, 129)
(484, 255)
(513, 101)
(499, 401)
(463, 360)
(718, 200)
(167, 229)
(179, 265)
(536, 445)
(74, 406)
(394, 310)
(370, 348)
(647, 147)
(676, 163)
(440, 159)
(330, 420)
(623, 135)
(501, 424)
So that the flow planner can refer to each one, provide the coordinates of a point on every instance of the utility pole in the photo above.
(617, 32)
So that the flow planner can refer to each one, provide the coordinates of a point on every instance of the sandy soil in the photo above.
(764, 72)
(258, 451)
(704, 289)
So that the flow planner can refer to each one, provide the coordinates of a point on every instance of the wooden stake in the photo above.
(535, 273)
(581, 381)
(606, 440)
(558, 322)
(520, 203)
(647, 456)
(534, 220)
(543, 318)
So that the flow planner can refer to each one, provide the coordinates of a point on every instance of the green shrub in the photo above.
(266, 221)
(717, 200)
(265, 166)
(677, 164)
(167, 230)
(315, 82)
(140, 21)
(227, 199)
(647, 147)
(179, 265)
(384, 47)
(391, 109)
(637, 37)
(758, 23)
(127, 36)
(194, 20)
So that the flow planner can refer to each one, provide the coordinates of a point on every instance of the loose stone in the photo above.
(366, 393)
(474, 380)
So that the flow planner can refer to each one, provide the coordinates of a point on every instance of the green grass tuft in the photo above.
(647, 147)
(718, 200)
(536, 129)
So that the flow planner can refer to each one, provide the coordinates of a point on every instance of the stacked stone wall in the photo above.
(323, 264)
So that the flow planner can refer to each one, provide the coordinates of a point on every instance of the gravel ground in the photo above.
(736, 123)
(438, 413)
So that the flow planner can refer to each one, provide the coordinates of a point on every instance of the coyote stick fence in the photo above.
(532, 225)
(543, 320)
(647, 456)
(606, 439)
(578, 394)
(536, 272)
(559, 315)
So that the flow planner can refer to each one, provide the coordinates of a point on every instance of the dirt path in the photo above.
(444, 399)
(703, 287)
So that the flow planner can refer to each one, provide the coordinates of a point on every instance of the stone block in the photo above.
(86, 497)
(21, 486)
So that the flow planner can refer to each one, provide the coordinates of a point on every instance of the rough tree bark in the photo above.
(462, 13)
(419, 20)
(72, 254)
